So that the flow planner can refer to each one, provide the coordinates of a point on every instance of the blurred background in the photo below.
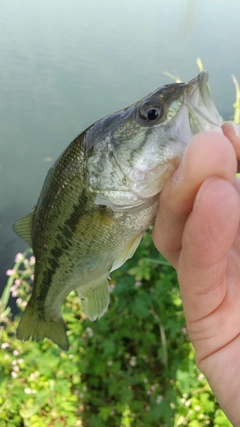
(65, 64)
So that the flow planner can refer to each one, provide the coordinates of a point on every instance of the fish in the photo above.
(99, 198)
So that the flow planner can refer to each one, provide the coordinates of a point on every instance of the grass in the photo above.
(236, 105)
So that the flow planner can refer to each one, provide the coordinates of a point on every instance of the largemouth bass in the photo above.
(99, 198)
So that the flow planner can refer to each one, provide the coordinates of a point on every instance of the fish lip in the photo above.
(207, 111)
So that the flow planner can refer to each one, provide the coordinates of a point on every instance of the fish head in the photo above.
(139, 147)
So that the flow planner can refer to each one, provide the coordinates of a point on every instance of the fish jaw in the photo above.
(198, 113)
(203, 114)
(150, 152)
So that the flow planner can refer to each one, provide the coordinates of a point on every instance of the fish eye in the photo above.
(150, 113)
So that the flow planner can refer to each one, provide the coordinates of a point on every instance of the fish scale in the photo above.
(99, 198)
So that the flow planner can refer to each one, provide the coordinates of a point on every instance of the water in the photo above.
(63, 65)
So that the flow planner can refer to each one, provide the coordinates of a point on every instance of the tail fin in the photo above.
(30, 326)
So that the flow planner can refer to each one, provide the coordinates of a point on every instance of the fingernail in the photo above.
(236, 128)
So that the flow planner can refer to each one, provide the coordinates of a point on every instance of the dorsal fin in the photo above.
(23, 227)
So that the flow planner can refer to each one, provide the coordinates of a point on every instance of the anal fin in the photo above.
(95, 297)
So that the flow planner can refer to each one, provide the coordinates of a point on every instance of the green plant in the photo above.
(236, 104)
(134, 367)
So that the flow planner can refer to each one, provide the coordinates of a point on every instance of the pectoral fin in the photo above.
(23, 227)
(127, 253)
(95, 297)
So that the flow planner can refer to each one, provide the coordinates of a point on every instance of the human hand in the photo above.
(197, 230)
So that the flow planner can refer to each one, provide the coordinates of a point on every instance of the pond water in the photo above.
(65, 64)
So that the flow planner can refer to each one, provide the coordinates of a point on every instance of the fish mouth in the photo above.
(203, 114)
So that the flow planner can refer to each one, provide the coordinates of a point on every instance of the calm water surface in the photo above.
(63, 65)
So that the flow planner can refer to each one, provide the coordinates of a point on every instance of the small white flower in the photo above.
(34, 375)
(137, 284)
(89, 332)
(111, 287)
(14, 374)
(19, 257)
(32, 260)
(133, 361)
(14, 292)
(181, 421)
(27, 390)
(200, 377)
(10, 272)
(5, 345)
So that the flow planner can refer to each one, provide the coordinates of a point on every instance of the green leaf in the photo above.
(105, 412)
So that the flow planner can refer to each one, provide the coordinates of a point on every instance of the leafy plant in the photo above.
(134, 367)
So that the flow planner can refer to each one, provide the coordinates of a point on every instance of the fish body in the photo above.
(99, 198)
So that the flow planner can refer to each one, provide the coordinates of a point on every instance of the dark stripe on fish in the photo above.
(63, 241)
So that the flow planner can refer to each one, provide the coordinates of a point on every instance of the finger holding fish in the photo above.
(232, 131)
(215, 157)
